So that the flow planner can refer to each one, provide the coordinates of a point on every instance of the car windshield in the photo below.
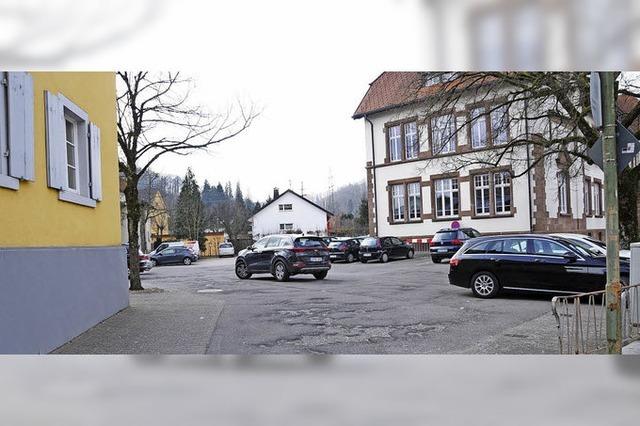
(584, 247)
(309, 242)
(369, 242)
(445, 236)
(225, 245)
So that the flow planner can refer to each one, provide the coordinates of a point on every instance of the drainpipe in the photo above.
(526, 132)
(373, 168)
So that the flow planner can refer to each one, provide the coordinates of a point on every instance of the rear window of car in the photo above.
(369, 242)
(308, 242)
(334, 244)
(445, 236)
(225, 245)
(469, 233)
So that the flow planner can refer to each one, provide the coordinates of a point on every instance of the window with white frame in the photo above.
(447, 198)
(482, 194)
(597, 198)
(411, 145)
(16, 129)
(415, 200)
(500, 125)
(478, 128)
(502, 189)
(73, 152)
(285, 207)
(286, 226)
(588, 208)
(395, 143)
(397, 201)
(442, 134)
(563, 193)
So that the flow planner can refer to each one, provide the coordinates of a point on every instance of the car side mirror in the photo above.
(571, 257)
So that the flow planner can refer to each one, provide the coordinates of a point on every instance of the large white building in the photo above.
(417, 182)
(290, 212)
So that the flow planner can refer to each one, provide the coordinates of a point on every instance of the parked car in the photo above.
(144, 263)
(284, 256)
(591, 244)
(226, 249)
(164, 245)
(174, 254)
(446, 242)
(346, 249)
(383, 249)
(539, 263)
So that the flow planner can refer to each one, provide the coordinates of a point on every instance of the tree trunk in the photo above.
(143, 236)
(133, 224)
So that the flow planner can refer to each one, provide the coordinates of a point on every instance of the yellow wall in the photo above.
(33, 216)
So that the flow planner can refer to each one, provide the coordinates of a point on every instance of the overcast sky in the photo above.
(307, 67)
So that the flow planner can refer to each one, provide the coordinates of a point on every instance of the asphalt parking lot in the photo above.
(404, 306)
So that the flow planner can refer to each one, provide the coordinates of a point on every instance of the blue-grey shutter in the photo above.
(20, 103)
(56, 148)
(95, 165)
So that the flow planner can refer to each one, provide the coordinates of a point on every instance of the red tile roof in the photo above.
(390, 89)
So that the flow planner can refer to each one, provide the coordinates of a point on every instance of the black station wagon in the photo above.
(539, 263)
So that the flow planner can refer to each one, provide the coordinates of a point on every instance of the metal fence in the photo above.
(581, 320)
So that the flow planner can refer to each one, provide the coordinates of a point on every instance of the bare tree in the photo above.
(155, 118)
(545, 114)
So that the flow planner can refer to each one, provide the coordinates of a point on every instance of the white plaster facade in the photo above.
(302, 216)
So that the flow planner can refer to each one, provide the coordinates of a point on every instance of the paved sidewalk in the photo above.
(168, 322)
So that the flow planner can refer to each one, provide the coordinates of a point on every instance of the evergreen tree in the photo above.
(228, 192)
(189, 217)
(363, 216)
(239, 197)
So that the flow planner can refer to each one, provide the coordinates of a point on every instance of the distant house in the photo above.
(290, 212)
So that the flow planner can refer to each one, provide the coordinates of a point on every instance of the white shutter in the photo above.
(56, 148)
(94, 159)
(20, 102)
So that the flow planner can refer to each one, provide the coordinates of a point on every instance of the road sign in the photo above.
(627, 145)
(596, 99)
(455, 225)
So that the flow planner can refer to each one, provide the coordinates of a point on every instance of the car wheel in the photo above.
(242, 271)
(435, 259)
(485, 285)
(186, 261)
(280, 271)
(384, 258)
(410, 254)
(154, 263)
(350, 258)
(320, 275)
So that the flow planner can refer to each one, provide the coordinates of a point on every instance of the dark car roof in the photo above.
(457, 229)
(502, 237)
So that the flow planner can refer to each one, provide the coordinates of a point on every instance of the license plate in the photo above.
(442, 250)
(316, 259)
(367, 254)
(334, 255)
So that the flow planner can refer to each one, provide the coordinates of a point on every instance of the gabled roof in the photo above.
(297, 195)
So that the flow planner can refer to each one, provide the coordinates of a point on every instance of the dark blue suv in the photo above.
(283, 256)
(446, 242)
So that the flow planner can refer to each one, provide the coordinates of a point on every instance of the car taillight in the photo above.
(429, 241)
(144, 257)
(299, 249)
(454, 261)
(456, 242)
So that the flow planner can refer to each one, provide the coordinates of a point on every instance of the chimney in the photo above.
(276, 193)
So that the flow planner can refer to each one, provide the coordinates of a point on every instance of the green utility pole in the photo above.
(609, 154)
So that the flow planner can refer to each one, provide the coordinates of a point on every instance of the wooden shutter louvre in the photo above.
(94, 162)
(56, 149)
(21, 141)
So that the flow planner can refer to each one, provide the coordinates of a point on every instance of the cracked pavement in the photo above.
(402, 307)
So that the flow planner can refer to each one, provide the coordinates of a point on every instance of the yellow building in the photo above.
(62, 268)
(159, 217)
